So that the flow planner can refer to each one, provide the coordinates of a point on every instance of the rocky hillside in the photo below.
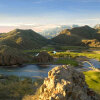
(76, 35)
(11, 56)
(91, 43)
(23, 39)
(65, 83)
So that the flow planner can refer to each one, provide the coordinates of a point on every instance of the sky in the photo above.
(43, 14)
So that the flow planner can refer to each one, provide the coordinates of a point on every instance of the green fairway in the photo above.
(93, 80)
(75, 54)
(66, 62)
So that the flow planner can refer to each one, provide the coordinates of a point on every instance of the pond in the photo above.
(35, 71)
(32, 71)
(91, 63)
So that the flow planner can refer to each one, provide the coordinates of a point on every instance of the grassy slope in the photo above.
(75, 54)
(10, 55)
(75, 36)
(13, 88)
(66, 62)
(23, 39)
(93, 80)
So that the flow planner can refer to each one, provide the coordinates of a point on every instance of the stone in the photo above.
(43, 57)
(66, 83)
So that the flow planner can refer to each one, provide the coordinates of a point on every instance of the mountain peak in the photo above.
(23, 39)
(83, 27)
(97, 26)
(18, 30)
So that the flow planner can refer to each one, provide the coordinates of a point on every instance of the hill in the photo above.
(75, 36)
(23, 39)
(11, 56)
(52, 32)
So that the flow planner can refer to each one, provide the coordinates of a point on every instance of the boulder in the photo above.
(43, 57)
(65, 83)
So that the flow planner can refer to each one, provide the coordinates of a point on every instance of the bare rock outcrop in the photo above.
(43, 57)
(65, 83)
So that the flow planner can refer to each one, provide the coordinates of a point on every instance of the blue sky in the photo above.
(47, 12)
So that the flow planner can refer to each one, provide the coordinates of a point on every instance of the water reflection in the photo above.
(94, 63)
(33, 71)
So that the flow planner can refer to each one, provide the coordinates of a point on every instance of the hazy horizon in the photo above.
(43, 14)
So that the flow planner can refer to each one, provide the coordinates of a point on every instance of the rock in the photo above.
(65, 83)
(11, 56)
(91, 43)
(43, 57)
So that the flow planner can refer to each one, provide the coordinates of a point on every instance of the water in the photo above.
(32, 71)
(35, 71)
(92, 63)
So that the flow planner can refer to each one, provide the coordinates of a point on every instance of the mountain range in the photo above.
(29, 39)
(76, 36)
(52, 32)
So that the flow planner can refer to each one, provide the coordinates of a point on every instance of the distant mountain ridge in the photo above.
(97, 26)
(75, 36)
(50, 33)
(29, 39)
(23, 39)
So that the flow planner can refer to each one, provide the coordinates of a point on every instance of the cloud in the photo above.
(37, 28)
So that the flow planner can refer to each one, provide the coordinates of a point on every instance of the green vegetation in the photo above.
(75, 48)
(67, 62)
(30, 40)
(35, 51)
(75, 54)
(93, 80)
(55, 48)
(15, 88)
(74, 37)
(23, 39)
(12, 56)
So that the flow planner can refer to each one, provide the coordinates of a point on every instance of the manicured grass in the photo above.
(35, 51)
(54, 47)
(73, 47)
(39, 50)
(66, 61)
(75, 54)
(93, 80)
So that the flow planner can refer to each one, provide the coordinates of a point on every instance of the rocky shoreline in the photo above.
(65, 83)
